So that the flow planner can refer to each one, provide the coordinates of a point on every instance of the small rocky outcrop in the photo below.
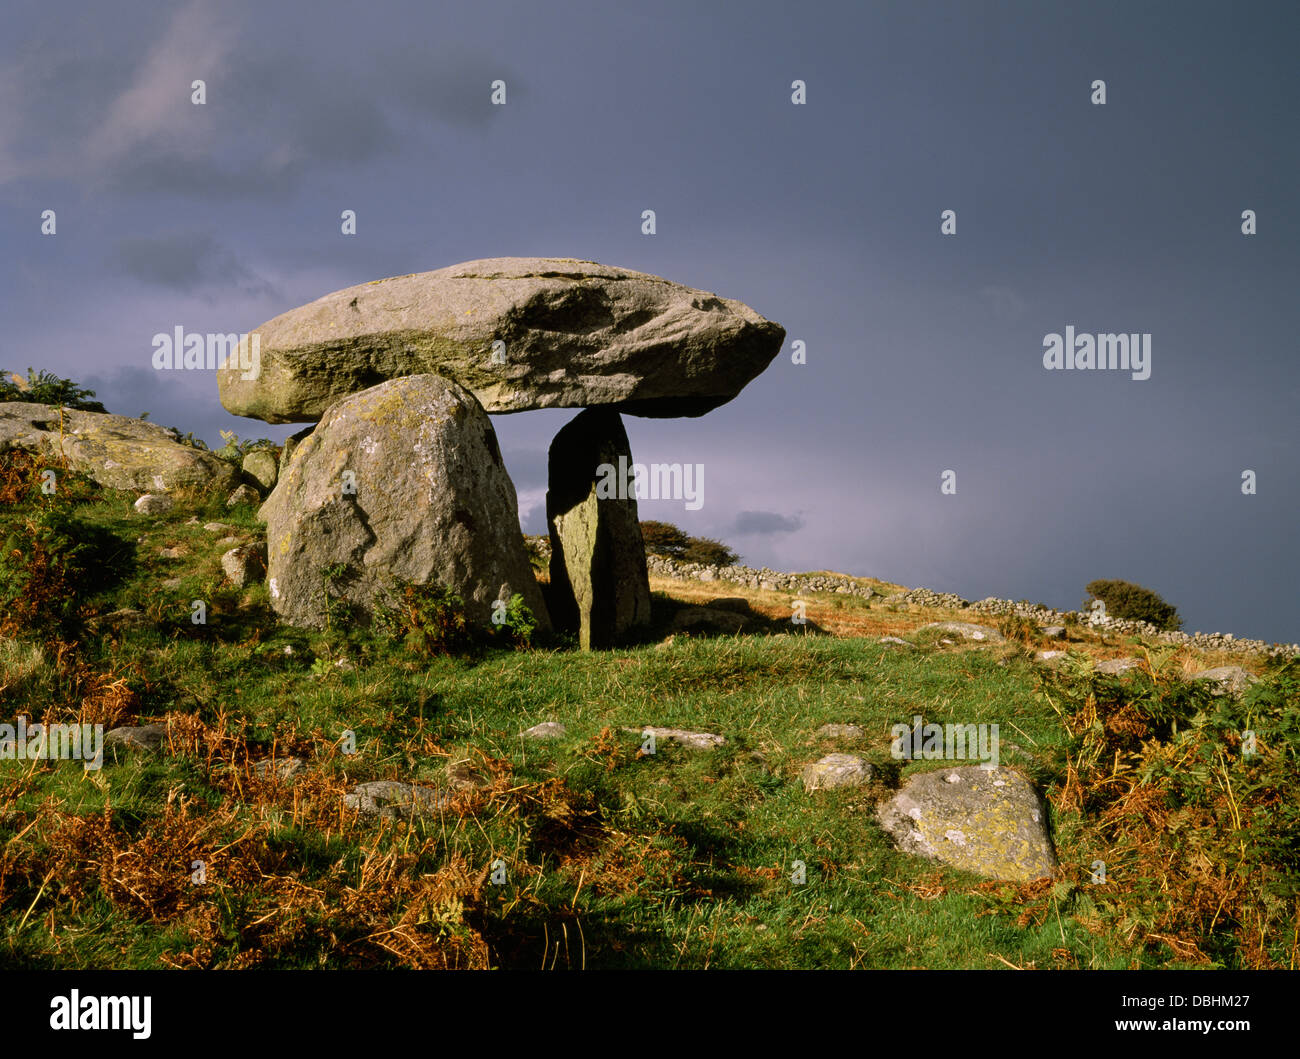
(990, 821)
(118, 452)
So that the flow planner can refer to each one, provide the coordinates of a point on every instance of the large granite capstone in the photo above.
(574, 334)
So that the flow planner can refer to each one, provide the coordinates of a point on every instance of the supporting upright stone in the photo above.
(599, 584)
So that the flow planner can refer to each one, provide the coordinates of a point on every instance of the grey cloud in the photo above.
(766, 523)
(186, 261)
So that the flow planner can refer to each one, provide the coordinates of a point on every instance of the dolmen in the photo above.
(401, 479)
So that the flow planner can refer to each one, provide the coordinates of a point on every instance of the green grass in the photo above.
(613, 858)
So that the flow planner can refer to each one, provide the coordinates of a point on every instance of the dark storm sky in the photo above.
(924, 351)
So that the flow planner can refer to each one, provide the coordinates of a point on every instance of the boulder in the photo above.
(599, 585)
(576, 334)
(243, 564)
(118, 452)
(144, 737)
(990, 821)
(153, 504)
(427, 500)
(245, 494)
(261, 465)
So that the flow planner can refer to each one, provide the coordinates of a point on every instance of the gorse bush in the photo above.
(1131, 602)
(663, 538)
(43, 387)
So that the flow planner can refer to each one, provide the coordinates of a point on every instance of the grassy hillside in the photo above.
(612, 857)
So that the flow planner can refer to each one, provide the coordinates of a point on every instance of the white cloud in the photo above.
(157, 104)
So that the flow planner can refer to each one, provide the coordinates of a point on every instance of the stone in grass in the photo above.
(1051, 656)
(1228, 680)
(217, 527)
(280, 769)
(840, 731)
(394, 799)
(545, 730)
(894, 641)
(153, 504)
(1054, 632)
(837, 770)
(693, 740)
(990, 821)
(1114, 667)
(967, 631)
(144, 737)
(243, 565)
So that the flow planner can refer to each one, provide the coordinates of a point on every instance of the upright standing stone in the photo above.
(402, 481)
(600, 587)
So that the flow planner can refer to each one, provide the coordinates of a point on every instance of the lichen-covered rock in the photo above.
(262, 465)
(837, 770)
(243, 564)
(244, 494)
(402, 482)
(575, 334)
(990, 821)
(118, 452)
(599, 585)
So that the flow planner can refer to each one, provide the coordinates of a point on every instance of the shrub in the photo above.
(663, 538)
(52, 562)
(1131, 602)
(518, 623)
(43, 387)
(709, 552)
